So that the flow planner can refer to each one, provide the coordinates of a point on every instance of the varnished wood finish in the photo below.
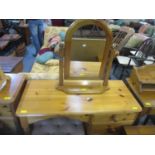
(146, 98)
(140, 130)
(47, 100)
(11, 64)
(11, 91)
(9, 99)
(3, 79)
(115, 107)
(144, 77)
(139, 77)
(104, 70)
(68, 41)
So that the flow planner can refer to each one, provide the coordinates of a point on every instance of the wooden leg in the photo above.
(89, 126)
(25, 125)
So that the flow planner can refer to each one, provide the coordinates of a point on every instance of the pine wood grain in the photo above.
(41, 98)
(140, 130)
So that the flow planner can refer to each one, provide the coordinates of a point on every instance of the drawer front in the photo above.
(113, 118)
(83, 118)
(115, 128)
(5, 110)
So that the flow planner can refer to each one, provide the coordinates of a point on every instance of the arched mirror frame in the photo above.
(65, 52)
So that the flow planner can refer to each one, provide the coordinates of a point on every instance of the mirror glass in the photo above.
(88, 44)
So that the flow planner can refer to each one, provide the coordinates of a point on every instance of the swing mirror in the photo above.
(87, 42)
(75, 79)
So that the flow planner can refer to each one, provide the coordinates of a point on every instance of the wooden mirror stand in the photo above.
(85, 84)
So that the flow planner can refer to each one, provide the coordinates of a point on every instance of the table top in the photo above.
(10, 92)
(147, 98)
(8, 63)
(41, 98)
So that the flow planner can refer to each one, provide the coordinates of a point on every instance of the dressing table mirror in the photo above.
(85, 83)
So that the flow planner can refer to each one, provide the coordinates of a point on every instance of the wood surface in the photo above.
(147, 98)
(146, 74)
(140, 130)
(9, 99)
(144, 77)
(68, 41)
(11, 90)
(105, 66)
(11, 64)
(112, 109)
(41, 98)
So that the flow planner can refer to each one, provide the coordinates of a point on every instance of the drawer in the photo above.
(113, 118)
(5, 110)
(113, 128)
(83, 118)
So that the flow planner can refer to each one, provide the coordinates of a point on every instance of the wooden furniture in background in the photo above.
(144, 78)
(122, 37)
(138, 59)
(26, 33)
(140, 130)
(11, 64)
(145, 96)
(9, 99)
(101, 112)
(20, 50)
